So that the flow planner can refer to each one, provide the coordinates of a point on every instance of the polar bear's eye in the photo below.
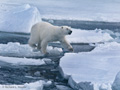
(67, 29)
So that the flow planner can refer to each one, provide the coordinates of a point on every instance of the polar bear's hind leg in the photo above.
(44, 46)
(39, 46)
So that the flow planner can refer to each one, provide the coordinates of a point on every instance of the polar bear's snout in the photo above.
(70, 32)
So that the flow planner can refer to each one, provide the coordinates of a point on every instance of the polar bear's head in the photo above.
(66, 30)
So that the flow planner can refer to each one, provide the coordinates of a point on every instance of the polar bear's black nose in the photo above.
(70, 32)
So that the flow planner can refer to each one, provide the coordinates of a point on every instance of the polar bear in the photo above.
(43, 32)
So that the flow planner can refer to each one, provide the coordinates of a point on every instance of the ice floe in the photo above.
(24, 50)
(99, 66)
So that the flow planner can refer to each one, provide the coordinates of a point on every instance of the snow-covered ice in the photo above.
(88, 36)
(99, 66)
(38, 85)
(19, 50)
(97, 10)
(19, 18)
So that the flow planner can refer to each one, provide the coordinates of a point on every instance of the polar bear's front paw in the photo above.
(71, 49)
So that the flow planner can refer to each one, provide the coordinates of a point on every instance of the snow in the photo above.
(19, 18)
(99, 66)
(19, 50)
(38, 85)
(97, 10)
(88, 36)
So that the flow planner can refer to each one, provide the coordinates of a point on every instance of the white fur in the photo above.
(43, 32)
